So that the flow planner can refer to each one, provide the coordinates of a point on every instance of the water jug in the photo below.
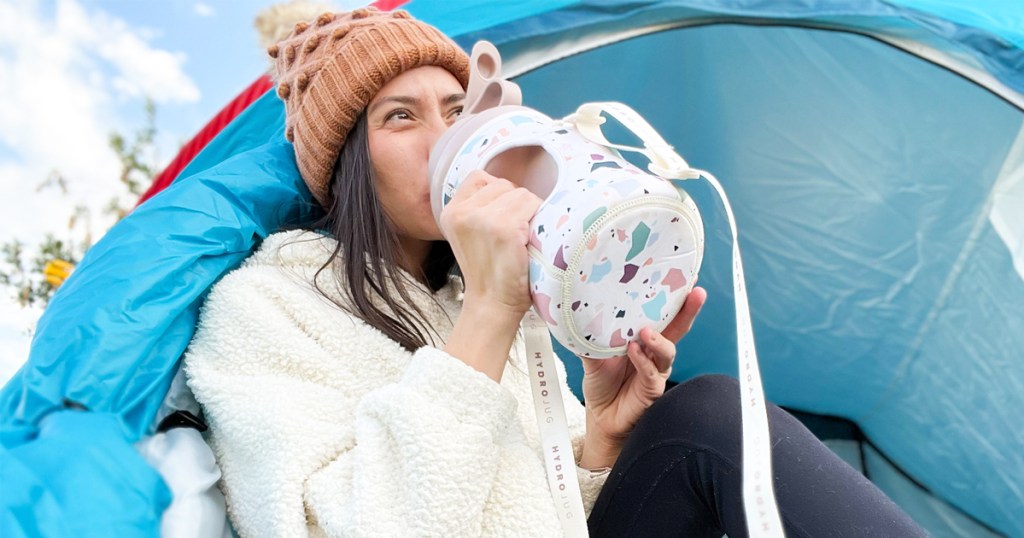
(613, 248)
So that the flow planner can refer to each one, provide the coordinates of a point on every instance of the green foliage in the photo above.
(137, 167)
(22, 272)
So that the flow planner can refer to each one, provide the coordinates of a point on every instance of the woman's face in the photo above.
(404, 120)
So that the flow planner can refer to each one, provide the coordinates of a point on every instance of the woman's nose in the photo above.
(437, 128)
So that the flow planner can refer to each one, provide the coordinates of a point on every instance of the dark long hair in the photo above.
(368, 247)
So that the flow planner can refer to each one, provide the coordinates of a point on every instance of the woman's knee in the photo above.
(701, 397)
(704, 409)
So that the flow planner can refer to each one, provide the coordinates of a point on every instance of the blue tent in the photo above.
(874, 155)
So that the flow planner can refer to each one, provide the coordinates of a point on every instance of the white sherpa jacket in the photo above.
(324, 426)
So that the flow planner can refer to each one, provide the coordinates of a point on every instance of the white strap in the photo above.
(665, 162)
(758, 492)
(554, 429)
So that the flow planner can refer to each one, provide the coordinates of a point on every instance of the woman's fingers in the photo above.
(494, 189)
(482, 188)
(661, 350)
(467, 209)
(493, 206)
(652, 355)
(502, 197)
(681, 324)
(496, 197)
(658, 351)
(517, 204)
(642, 360)
(473, 183)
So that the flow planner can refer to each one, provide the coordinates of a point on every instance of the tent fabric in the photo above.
(864, 225)
(939, 399)
(989, 33)
(1007, 200)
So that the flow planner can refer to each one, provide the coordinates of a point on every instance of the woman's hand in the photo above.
(487, 224)
(618, 390)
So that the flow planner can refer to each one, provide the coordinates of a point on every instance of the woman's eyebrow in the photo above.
(413, 101)
(401, 99)
(454, 98)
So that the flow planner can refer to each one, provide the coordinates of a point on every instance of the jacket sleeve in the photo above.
(305, 437)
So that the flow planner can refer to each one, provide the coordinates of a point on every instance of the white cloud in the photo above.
(204, 10)
(67, 73)
(56, 115)
(138, 67)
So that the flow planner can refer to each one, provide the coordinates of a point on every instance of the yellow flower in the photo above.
(57, 271)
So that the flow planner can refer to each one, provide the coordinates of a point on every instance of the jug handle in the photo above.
(487, 89)
(665, 162)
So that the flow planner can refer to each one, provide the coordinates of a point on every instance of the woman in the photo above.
(353, 386)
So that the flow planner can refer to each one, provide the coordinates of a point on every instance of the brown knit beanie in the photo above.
(329, 69)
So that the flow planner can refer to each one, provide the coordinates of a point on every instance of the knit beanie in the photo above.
(329, 69)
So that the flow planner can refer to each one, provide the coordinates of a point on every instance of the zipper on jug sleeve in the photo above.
(636, 204)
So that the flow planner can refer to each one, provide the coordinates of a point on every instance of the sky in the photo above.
(72, 72)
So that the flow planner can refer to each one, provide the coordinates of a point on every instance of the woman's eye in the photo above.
(398, 114)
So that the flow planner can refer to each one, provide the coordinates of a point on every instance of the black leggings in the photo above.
(679, 474)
